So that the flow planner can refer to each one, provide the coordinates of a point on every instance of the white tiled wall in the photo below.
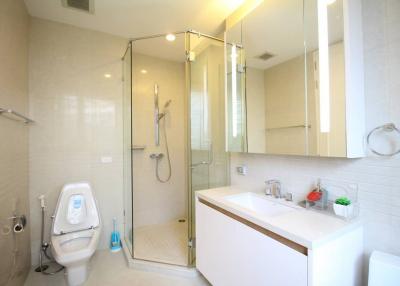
(378, 178)
(78, 115)
(14, 196)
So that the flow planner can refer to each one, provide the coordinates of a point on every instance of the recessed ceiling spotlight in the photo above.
(170, 37)
(143, 71)
(329, 2)
(107, 75)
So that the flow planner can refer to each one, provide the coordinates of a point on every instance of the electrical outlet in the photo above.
(242, 170)
(106, 159)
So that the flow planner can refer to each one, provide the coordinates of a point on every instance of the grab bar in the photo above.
(19, 115)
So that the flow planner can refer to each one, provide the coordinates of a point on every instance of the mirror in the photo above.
(292, 79)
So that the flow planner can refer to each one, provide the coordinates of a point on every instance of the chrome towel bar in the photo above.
(16, 114)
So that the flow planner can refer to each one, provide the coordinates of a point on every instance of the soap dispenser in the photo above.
(318, 197)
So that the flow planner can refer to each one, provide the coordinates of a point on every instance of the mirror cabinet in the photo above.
(294, 79)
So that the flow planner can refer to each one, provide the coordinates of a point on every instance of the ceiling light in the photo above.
(143, 71)
(329, 2)
(170, 37)
(107, 75)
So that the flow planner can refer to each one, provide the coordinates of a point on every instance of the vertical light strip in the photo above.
(324, 97)
(234, 91)
(205, 104)
(226, 94)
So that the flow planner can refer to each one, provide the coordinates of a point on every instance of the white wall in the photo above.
(78, 115)
(378, 178)
(14, 196)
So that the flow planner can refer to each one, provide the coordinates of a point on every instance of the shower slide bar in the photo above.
(11, 112)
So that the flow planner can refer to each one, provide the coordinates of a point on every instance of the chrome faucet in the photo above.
(273, 188)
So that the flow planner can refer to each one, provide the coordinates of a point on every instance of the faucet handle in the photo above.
(268, 188)
(273, 188)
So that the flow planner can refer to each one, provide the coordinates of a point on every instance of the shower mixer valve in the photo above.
(156, 155)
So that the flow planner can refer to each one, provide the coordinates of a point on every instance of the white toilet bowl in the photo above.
(384, 269)
(76, 230)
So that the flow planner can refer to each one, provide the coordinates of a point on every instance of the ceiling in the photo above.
(137, 18)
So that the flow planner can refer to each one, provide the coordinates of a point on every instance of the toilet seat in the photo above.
(75, 231)
(74, 247)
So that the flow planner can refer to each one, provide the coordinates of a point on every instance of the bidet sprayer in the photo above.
(42, 201)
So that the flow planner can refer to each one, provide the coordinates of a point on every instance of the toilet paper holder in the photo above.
(19, 223)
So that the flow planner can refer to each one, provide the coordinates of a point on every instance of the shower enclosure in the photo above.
(174, 140)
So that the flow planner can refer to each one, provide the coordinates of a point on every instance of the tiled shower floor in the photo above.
(166, 243)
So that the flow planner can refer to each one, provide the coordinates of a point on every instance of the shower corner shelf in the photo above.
(138, 147)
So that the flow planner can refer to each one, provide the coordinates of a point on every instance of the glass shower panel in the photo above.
(127, 145)
(159, 165)
(209, 161)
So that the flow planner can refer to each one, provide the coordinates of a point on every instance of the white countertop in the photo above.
(309, 228)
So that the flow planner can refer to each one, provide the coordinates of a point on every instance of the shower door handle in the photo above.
(210, 159)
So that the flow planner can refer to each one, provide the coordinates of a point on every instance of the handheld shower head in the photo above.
(167, 103)
(162, 114)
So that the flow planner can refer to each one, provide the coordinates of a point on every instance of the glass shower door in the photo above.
(127, 145)
(209, 161)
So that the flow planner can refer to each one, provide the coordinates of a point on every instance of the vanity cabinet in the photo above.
(234, 250)
(231, 253)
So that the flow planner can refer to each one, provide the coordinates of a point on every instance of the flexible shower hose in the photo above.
(168, 158)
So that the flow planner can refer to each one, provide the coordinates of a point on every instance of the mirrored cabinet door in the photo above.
(273, 44)
(324, 40)
(303, 76)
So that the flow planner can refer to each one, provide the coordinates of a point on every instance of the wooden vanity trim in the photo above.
(295, 246)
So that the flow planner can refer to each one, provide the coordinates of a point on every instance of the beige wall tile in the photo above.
(14, 197)
(78, 115)
(156, 202)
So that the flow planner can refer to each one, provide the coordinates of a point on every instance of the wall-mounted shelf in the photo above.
(17, 116)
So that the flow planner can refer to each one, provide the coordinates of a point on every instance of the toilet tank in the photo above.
(384, 269)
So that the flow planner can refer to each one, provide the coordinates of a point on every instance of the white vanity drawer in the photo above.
(230, 252)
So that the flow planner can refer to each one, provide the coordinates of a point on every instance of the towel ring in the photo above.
(389, 127)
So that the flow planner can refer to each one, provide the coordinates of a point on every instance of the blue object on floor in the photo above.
(115, 244)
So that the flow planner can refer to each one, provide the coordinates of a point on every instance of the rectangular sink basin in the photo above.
(258, 204)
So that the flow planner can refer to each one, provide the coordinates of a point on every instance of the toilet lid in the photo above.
(76, 209)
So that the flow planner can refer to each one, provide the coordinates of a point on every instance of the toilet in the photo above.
(75, 231)
(384, 269)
